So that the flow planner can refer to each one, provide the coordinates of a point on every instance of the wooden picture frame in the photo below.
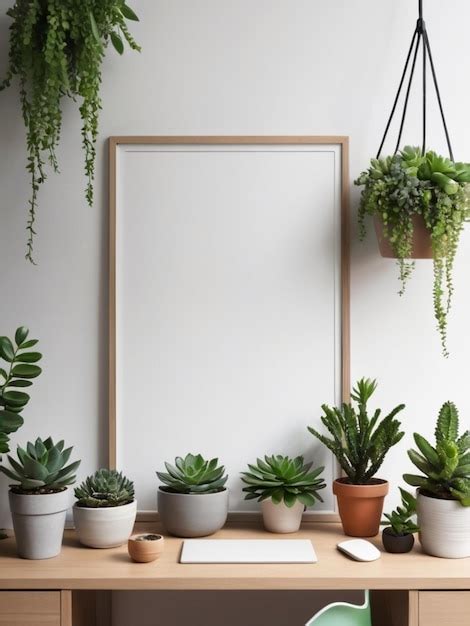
(114, 145)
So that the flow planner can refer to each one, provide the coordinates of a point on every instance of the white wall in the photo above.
(235, 67)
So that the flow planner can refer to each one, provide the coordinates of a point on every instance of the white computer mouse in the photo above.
(359, 549)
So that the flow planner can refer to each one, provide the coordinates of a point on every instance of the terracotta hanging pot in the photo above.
(360, 506)
(421, 247)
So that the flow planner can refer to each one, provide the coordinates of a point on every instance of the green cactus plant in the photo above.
(41, 468)
(283, 480)
(193, 475)
(360, 442)
(105, 488)
(445, 467)
(408, 184)
(21, 367)
(401, 520)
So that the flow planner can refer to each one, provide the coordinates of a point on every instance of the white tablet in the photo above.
(248, 551)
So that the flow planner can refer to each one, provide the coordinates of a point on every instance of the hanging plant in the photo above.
(57, 49)
(399, 188)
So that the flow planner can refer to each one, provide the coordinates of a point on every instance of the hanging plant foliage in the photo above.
(57, 49)
(409, 184)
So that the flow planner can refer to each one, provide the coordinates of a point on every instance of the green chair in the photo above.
(343, 614)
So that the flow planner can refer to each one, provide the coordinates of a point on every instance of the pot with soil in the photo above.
(145, 548)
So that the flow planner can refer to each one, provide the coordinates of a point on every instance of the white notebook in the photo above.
(248, 551)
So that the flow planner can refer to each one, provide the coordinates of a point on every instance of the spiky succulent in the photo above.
(401, 520)
(41, 467)
(360, 442)
(283, 480)
(105, 488)
(193, 474)
(446, 466)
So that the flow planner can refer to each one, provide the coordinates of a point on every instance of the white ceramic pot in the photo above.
(279, 518)
(444, 527)
(106, 527)
(192, 515)
(38, 522)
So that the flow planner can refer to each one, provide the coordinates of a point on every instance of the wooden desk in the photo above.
(410, 590)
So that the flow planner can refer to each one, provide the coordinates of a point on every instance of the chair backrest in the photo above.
(343, 614)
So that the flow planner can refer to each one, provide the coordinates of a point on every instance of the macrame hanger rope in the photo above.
(420, 36)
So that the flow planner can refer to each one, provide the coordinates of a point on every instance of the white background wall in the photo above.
(235, 67)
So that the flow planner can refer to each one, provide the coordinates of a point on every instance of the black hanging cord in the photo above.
(420, 35)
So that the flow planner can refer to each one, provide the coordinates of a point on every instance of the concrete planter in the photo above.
(107, 527)
(279, 518)
(192, 515)
(444, 527)
(38, 522)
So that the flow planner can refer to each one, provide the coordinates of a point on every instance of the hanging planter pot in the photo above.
(418, 199)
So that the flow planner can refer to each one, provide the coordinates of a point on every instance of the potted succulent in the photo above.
(40, 497)
(284, 486)
(19, 370)
(105, 511)
(193, 500)
(420, 203)
(360, 443)
(145, 548)
(397, 536)
(443, 502)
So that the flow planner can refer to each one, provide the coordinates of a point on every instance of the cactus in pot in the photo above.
(105, 511)
(193, 499)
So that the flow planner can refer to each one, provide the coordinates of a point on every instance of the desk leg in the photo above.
(66, 608)
(395, 608)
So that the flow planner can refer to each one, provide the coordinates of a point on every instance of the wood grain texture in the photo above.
(444, 608)
(66, 608)
(390, 608)
(82, 568)
(37, 608)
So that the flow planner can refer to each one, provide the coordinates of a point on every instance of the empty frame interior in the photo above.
(229, 302)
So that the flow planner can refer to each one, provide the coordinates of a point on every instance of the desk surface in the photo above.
(85, 568)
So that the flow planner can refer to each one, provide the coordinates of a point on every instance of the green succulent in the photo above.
(57, 48)
(401, 520)
(17, 374)
(41, 467)
(445, 467)
(399, 187)
(106, 488)
(193, 474)
(360, 442)
(283, 480)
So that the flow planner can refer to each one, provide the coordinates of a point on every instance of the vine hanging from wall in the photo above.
(56, 50)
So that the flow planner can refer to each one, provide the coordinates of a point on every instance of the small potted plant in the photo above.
(443, 501)
(105, 511)
(397, 536)
(145, 548)
(40, 497)
(193, 500)
(420, 203)
(360, 443)
(284, 486)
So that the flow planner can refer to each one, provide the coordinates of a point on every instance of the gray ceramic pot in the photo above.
(192, 515)
(38, 522)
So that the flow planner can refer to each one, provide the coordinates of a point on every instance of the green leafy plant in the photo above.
(360, 442)
(401, 520)
(283, 480)
(193, 475)
(445, 467)
(57, 49)
(41, 468)
(18, 373)
(106, 488)
(399, 187)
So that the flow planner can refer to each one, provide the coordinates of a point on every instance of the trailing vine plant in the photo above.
(57, 49)
(397, 188)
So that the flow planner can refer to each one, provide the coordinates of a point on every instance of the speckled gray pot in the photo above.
(38, 522)
(192, 515)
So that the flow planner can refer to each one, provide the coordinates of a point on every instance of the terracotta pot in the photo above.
(360, 506)
(422, 247)
(145, 548)
(397, 544)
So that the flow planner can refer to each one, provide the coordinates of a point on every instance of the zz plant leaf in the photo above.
(57, 49)
(16, 374)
